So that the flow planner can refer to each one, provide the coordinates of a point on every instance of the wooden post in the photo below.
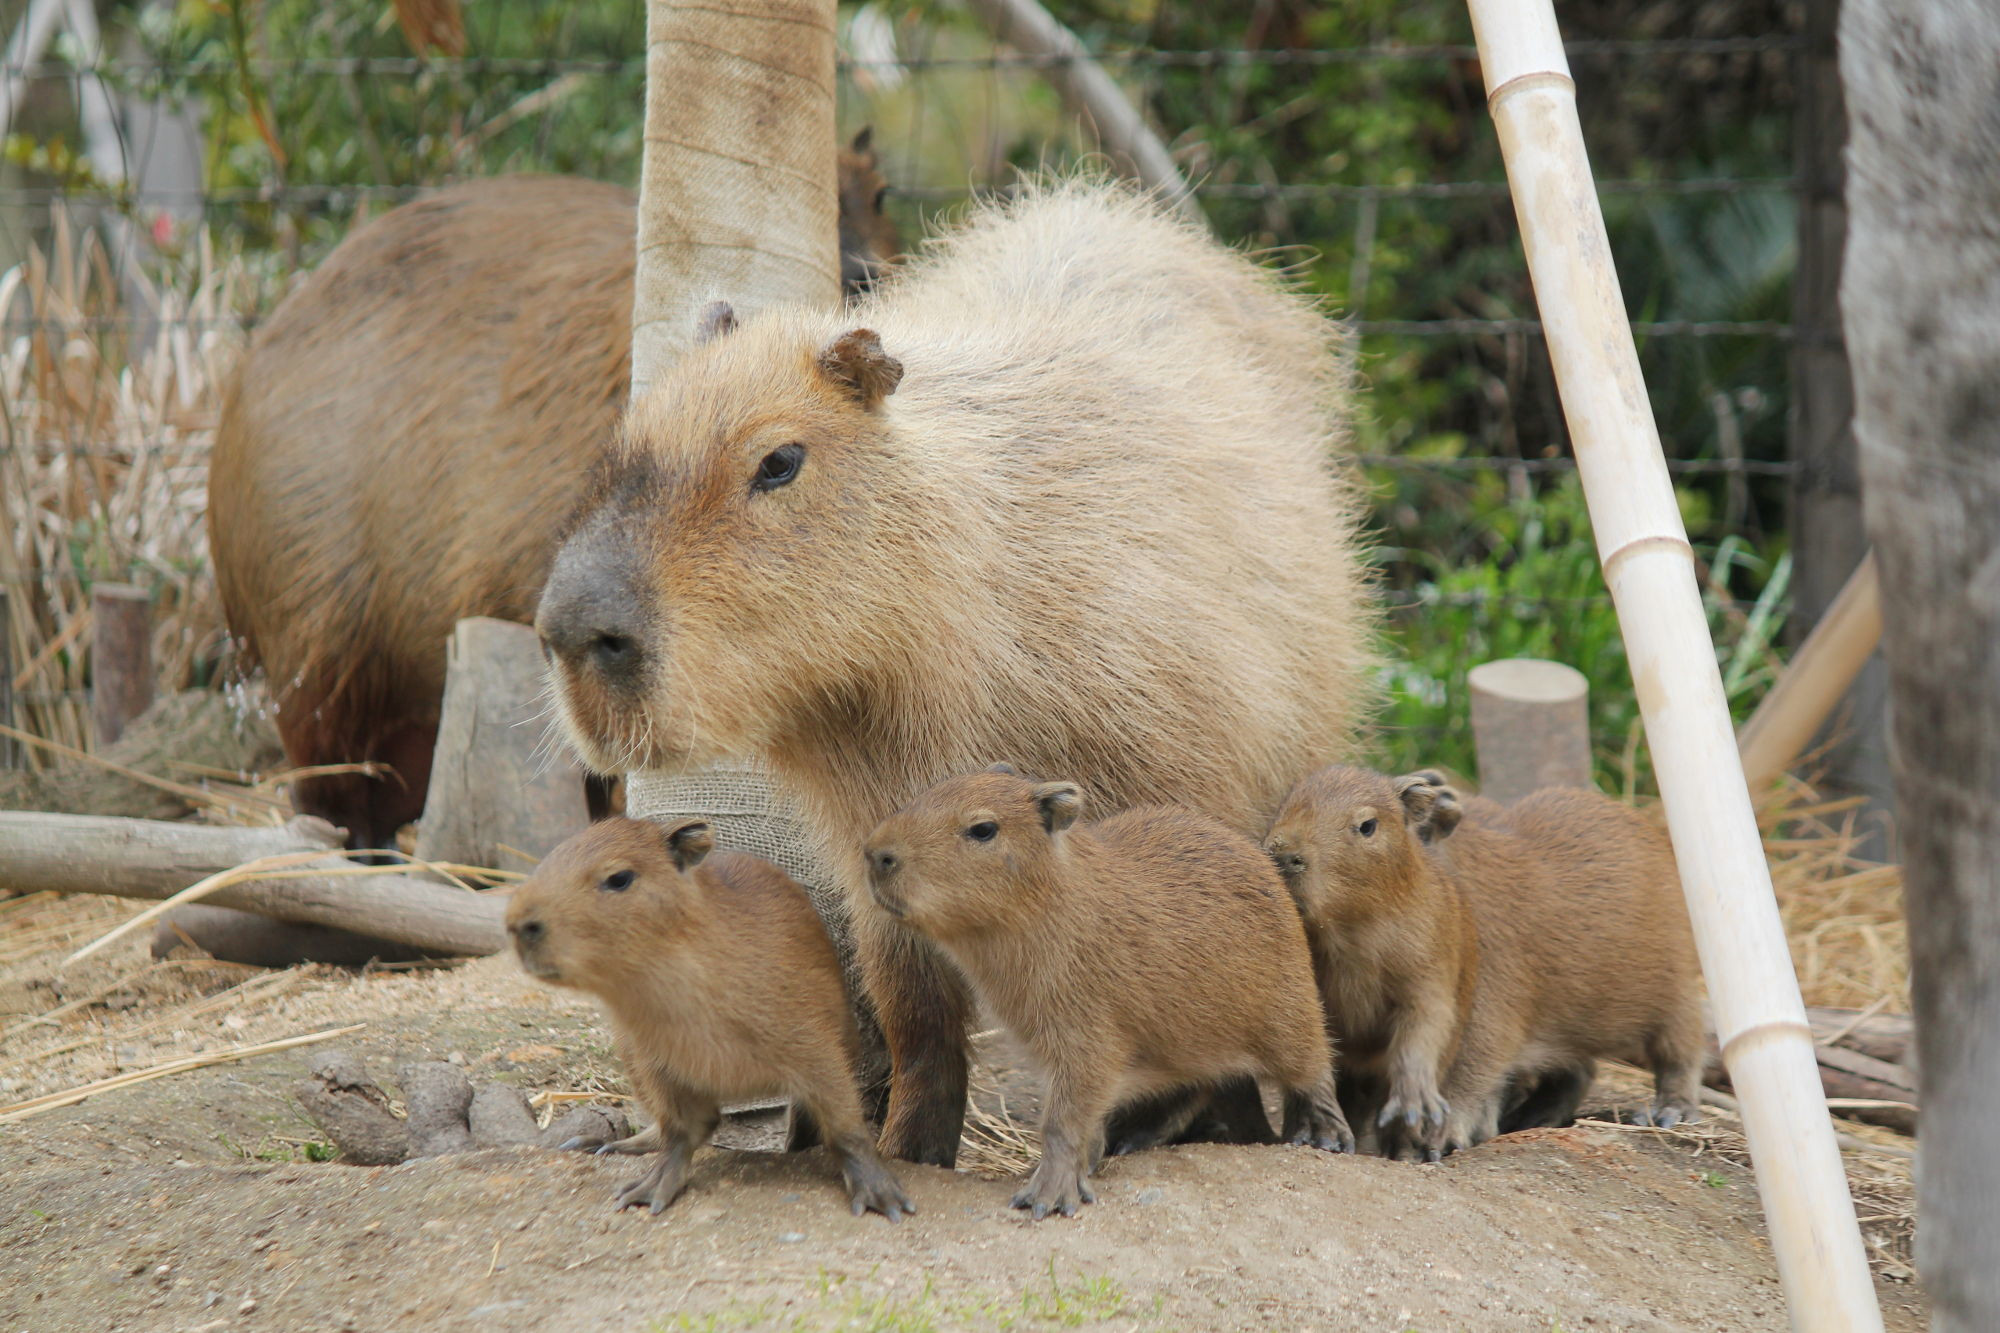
(1649, 567)
(121, 658)
(1530, 726)
(1923, 324)
(10, 749)
(1815, 680)
(736, 179)
(498, 780)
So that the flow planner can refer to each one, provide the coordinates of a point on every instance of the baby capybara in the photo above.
(1469, 953)
(720, 984)
(1064, 488)
(402, 441)
(1132, 956)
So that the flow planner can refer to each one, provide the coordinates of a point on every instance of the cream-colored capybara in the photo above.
(1466, 953)
(402, 442)
(720, 983)
(1063, 489)
(1151, 950)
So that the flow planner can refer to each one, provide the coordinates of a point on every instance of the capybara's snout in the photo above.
(530, 935)
(589, 619)
(885, 864)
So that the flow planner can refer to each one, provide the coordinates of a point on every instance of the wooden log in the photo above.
(1885, 1036)
(121, 658)
(1530, 725)
(246, 937)
(140, 858)
(1815, 681)
(495, 781)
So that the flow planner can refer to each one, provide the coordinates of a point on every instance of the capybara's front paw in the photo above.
(1054, 1189)
(1318, 1121)
(1417, 1103)
(1667, 1114)
(654, 1190)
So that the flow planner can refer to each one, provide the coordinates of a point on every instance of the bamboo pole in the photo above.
(1649, 567)
(1817, 679)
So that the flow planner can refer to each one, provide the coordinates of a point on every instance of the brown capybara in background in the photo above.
(1148, 951)
(402, 442)
(720, 983)
(1464, 957)
(1062, 489)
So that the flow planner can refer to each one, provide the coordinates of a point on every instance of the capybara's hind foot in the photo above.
(1313, 1117)
(657, 1188)
(1054, 1189)
(872, 1188)
(645, 1141)
(1665, 1115)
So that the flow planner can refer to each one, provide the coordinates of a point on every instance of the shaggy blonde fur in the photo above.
(1096, 527)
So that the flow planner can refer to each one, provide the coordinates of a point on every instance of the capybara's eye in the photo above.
(984, 831)
(1366, 828)
(778, 468)
(617, 883)
(880, 195)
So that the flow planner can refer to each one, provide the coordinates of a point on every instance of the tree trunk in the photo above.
(1921, 296)
(736, 188)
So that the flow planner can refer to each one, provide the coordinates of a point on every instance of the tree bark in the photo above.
(737, 200)
(1921, 296)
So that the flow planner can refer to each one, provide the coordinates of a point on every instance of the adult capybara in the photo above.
(1062, 489)
(402, 442)
(1475, 960)
(720, 983)
(1152, 950)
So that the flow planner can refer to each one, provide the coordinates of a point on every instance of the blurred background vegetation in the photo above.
(1349, 136)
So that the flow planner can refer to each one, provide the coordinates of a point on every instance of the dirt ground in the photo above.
(192, 1202)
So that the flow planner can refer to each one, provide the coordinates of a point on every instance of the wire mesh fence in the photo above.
(169, 172)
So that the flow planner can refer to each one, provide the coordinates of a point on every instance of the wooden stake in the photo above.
(121, 658)
(1816, 680)
(497, 778)
(10, 749)
(1650, 569)
(1530, 726)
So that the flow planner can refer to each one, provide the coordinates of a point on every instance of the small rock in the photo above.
(1151, 1194)
(438, 1096)
(456, 1058)
(596, 1122)
(791, 1238)
(211, 1300)
(499, 1116)
(247, 1306)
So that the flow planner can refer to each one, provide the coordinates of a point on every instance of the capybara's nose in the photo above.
(882, 865)
(588, 618)
(527, 933)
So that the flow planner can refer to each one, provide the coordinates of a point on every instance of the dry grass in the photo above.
(103, 464)
(1843, 916)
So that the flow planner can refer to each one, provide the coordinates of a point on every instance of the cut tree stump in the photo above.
(143, 858)
(1530, 726)
(496, 782)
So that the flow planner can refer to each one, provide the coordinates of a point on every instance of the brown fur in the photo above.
(1464, 958)
(401, 445)
(1134, 955)
(720, 984)
(1063, 492)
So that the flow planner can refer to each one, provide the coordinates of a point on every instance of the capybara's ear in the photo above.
(856, 363)
(1060, 804)
(689, 843)
(1004, 767)
(864, 141)
(1430, 808)
(718, 320)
